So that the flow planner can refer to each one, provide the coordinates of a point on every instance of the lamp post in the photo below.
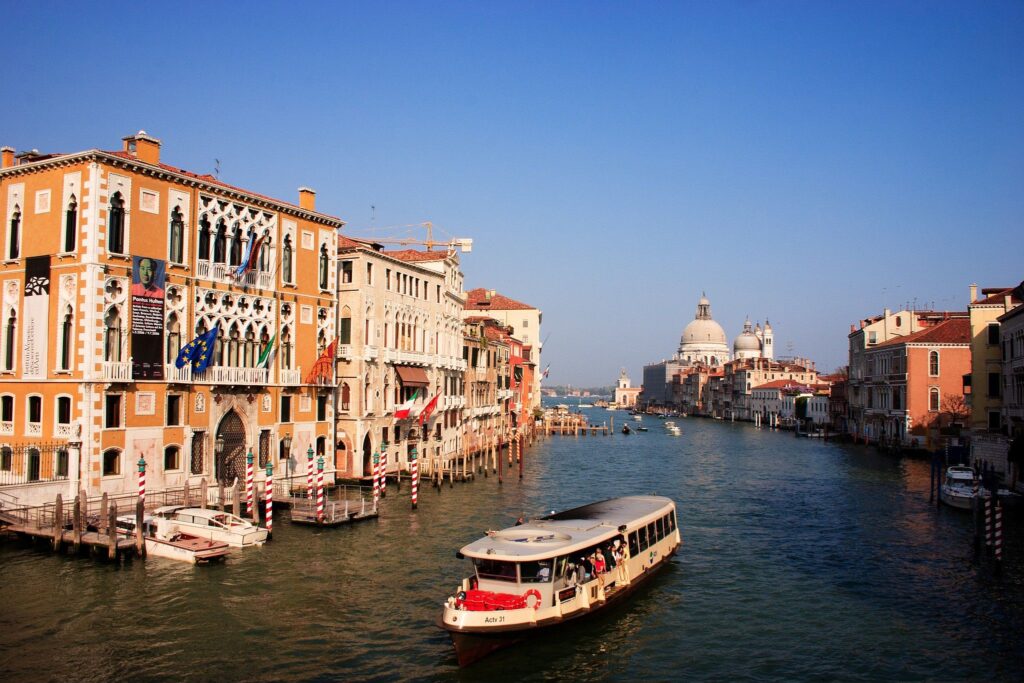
(309, 474)
(286, 443)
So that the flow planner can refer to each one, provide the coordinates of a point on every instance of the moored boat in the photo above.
(163, 538)
(537, 576)
(959, 488)
(215, 525)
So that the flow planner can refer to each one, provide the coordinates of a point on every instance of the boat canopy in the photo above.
(567, 532)
(960, 473)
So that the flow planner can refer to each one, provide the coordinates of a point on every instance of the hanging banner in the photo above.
(35, 343)
(147, 317)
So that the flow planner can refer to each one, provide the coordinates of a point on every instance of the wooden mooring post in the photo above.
(76, 525)
(111, 531)
(58, 523)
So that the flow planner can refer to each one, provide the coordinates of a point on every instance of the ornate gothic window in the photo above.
(286, 260)
(286, 349)
(345, 329)
(236, 246)
(173, 337)
(71, 224)
(66, 330)
(112, 335)
(10, 339)
(177, 236)
(323, 266)
(220, 242)
(115, 224)
(204, 239)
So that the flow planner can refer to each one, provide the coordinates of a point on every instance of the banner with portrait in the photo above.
(36, 340)
(147, 294)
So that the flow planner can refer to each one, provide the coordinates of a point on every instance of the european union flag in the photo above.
(198, 352)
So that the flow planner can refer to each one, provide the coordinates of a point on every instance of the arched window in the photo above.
(236, 246)
(13, 235)
(323, 266)
(933, 364)
(172, 458)
(204, 239)
(66, 329)
(112, 335)
(233, 343)
(71, 224)
(248, 349)
(286, 349)
(177, 236)
(345, 327)
(220, 242)
(346, 396)
(115, 224)
(10, 338)
(286, 260)
(111, 462)
(933, 399)
(173, 337)
(264, 259)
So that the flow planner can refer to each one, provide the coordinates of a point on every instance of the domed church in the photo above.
(753, 342)
(703, 340)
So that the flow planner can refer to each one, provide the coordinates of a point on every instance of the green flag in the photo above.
(267, 354)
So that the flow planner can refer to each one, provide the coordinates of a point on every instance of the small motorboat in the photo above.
(641, 429)
(163, 538)
(215, 525)
(959, 488)
(626, 429)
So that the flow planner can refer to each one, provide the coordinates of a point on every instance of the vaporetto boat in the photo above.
(537, 576)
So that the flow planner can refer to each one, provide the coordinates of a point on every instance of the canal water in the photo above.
(801, 560)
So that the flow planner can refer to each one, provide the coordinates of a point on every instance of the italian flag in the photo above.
(405, 410)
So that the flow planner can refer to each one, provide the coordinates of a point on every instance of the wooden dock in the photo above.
(343, 504)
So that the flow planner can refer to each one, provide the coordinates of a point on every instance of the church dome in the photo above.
(703, 331)
(747, 341)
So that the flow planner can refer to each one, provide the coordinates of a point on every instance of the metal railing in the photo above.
(117, 371)
(32, 463)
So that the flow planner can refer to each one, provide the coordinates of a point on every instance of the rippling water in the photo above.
(801, 560)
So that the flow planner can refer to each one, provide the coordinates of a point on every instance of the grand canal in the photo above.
(801, 560)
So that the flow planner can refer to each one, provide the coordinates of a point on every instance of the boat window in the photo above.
(642, 534)
(634, 545)
(660, 526)
(670, 519)
(495, 569)
(535, 572)
(652, 536)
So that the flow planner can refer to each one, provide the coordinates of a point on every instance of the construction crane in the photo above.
(464, 244)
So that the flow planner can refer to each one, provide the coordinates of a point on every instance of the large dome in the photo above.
(702, 331)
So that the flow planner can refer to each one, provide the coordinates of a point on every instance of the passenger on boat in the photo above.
(599, 568)
(588, 568)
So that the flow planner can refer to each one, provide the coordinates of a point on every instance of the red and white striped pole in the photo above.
(988, 521)
(142, 481)
(376, 479)
(320, 490)
(249, 479)
(270, 498)
(384, 470)
(309, 473)
(414, 471)
(997, 549)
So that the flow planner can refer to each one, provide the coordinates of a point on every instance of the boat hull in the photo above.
(473, 645)
(956, 500)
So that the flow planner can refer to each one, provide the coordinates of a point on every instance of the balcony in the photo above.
(117, 371)
(34, 429)
(221, 272)
(370, 352)
(66, 431)
(345, 351)
(291, 378)
(6, 429)
(219, 375)
(1017, 364)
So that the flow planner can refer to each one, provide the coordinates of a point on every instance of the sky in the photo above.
(809, 163)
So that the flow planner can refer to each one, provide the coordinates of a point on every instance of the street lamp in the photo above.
(286, 442)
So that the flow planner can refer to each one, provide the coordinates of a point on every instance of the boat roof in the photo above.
(207, 513)
(566, 532)
(960, 472)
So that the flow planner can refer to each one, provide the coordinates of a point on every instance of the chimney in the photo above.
(8, 157)
(307, 199)
(974, 292)
(143, 147)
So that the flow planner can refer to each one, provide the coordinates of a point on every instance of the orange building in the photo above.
(915, 383)
(112, 262)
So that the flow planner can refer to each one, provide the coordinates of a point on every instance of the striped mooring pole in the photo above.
(988, 521)
(376, 479)
(249, 479)
(997, 549)
(384, 470)
(142, 481)
(270, 498)
(309, 473)
(320, 490)
(414, 471)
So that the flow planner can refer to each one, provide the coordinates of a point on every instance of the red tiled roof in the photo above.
(477, 298)
(348, 243)
(954, 331)
(996, 298)
(414, 255)
(780, 384)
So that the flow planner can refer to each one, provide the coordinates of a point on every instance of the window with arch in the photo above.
(112, 335)
(66, 332)
(204, 239)
(177, 236)
(111, 462)
(7, 413)
(173, 337)
(35, 414)
(63, 417)
(115, 224)
(220, 242)
(172, 458)
(10, 339)
(14, 234)
(933, 400)
(286, 260)
(71, 224)
(6, 459)
(286, 349)
(263, 262)
(233, 344)
(345, 326)
(235, 257)
(346, 396)
(933, 363)
(324, 260)
(61, 464)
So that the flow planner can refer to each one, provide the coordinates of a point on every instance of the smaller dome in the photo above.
(746, 342)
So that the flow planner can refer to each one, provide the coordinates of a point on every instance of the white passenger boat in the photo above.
(959, 488)
(163, 538)
(214, 524)
(536, 576)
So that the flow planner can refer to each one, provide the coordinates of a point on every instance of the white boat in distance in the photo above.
(959, 488)
(163, 538)
(533, 578)
(215, 525)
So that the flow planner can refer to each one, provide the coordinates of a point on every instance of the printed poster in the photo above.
(35, 343)
(147, 293)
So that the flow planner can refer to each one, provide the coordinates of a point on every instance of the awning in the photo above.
(412, 376)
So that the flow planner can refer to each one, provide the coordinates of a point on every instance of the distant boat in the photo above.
(641, 429)
(626, 429)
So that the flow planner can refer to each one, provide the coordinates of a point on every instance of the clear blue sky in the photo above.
(806, 162)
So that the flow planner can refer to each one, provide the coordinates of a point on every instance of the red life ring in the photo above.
(535, 593)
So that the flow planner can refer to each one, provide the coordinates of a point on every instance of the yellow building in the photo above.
(986, 357)
(112, 262)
